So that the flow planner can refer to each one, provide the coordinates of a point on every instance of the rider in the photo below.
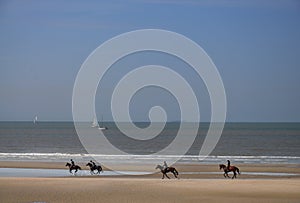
(93, 163)
(72, 162)
(228, 164)
(165, 165)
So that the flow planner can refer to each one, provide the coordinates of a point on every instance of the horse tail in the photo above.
(238, 170)
(79, 167)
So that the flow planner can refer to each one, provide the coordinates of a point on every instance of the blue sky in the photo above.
(254, 44)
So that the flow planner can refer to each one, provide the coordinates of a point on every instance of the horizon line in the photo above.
(111, 121)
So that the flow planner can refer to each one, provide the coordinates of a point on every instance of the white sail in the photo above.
(35, 120)
(95, 123)
(102, 127)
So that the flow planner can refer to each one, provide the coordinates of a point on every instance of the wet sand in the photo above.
(185, 170)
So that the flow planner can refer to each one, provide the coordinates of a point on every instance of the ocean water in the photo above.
(240, 142)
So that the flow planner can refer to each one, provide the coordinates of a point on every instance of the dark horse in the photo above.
(71, 167)
(167, 170)
(226, 170)
(92, 168)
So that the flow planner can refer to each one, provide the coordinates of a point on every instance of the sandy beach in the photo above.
(151, 188)
(147, 190)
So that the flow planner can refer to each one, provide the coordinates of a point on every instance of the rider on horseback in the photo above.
(93, 167)
(94, 164)
(228, 169)
(72, 166)
(72, 162)
(228, 164)
(165, 165)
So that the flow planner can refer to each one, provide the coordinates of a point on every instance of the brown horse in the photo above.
(167, 170)
(92, 168)
(71, 167)
(226, 170)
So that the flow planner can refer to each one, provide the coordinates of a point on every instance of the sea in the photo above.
(257, 143)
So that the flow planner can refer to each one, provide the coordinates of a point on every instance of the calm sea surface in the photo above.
(240, 142)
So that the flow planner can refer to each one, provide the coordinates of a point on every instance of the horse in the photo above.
(234, 169)
(167, 170)
(92, 168)
(73, 167)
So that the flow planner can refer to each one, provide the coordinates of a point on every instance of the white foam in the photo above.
(148, 158)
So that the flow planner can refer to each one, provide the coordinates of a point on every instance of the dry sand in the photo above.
(150, 188)
(147, 190)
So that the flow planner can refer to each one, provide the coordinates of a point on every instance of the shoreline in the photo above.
(186, 171)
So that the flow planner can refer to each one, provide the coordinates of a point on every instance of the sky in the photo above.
(255, 46)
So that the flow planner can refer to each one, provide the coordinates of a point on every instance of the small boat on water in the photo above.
(102, 128)
(95, 124)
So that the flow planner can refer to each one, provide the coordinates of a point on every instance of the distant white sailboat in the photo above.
(102, 127)
(95, 123)
(35, 120)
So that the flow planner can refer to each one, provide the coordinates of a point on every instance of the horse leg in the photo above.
(99, 169)
(226, 174)
(167, 176)
(234, 175)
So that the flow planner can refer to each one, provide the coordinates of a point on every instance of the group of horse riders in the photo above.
(91, 164)
(164, 169)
